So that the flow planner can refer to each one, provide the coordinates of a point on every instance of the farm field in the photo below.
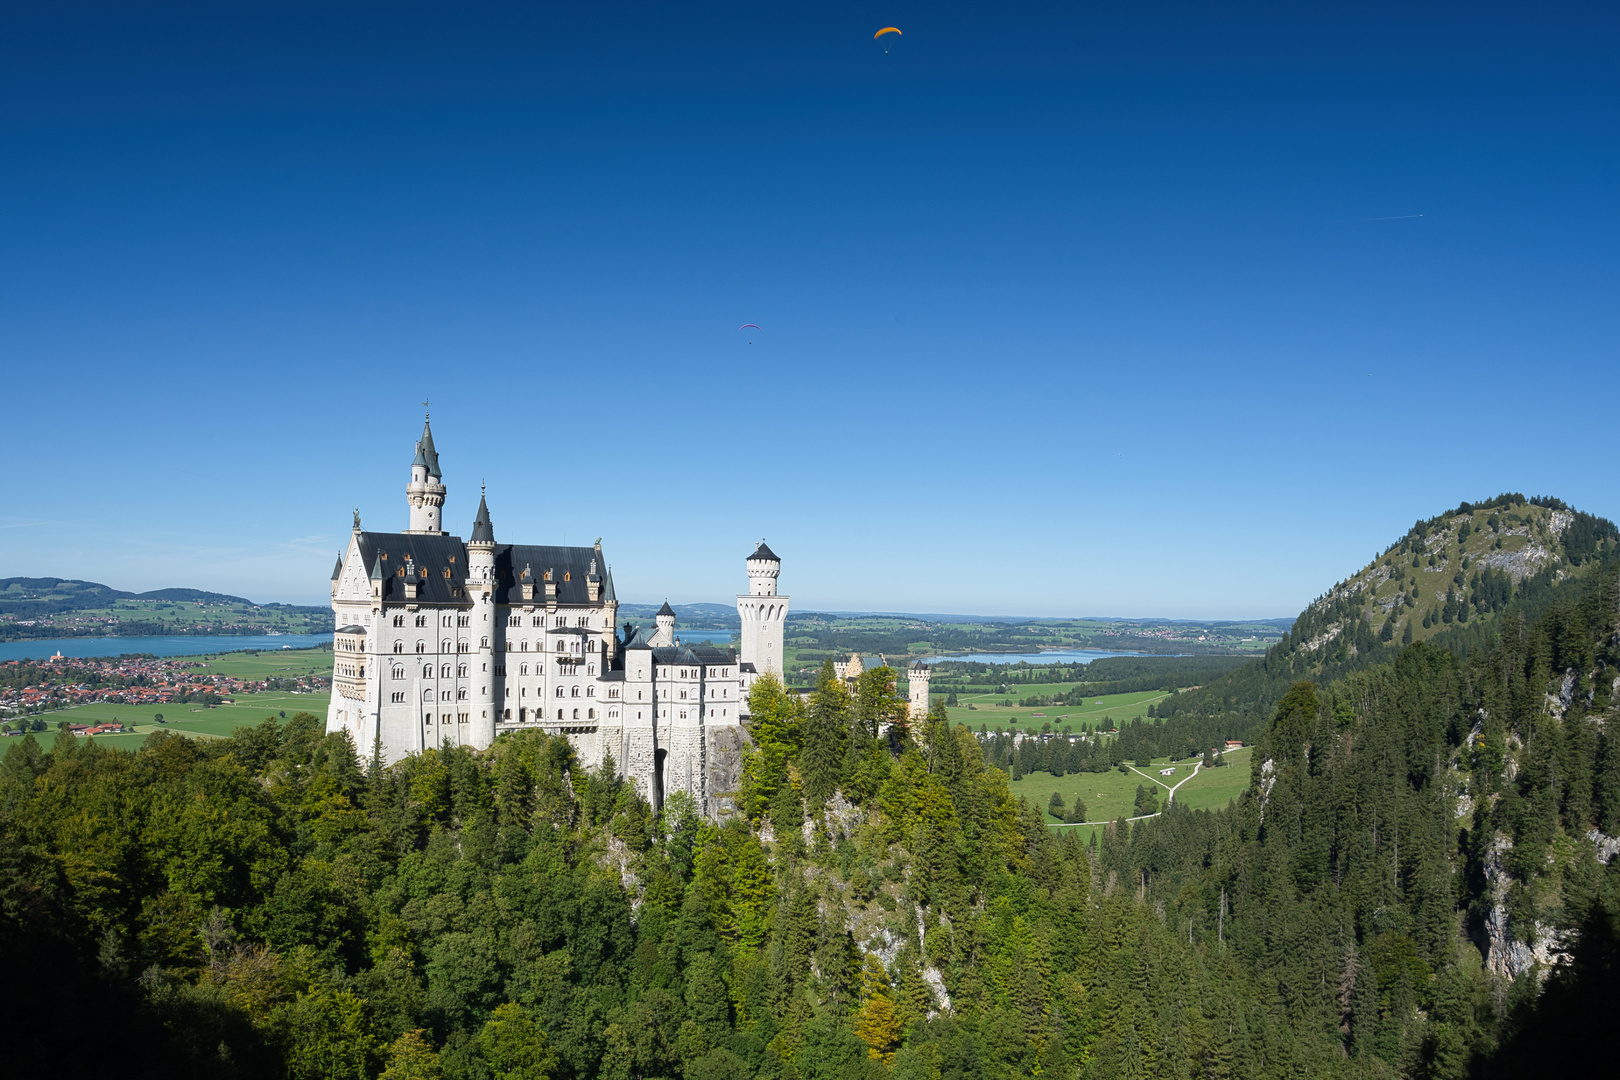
(198, 720)
(1212, 789)
(1111, 795)
(1114, 709)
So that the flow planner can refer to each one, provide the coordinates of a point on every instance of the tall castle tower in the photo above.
(919, 675)
(425, 492)
(763, 612)
(481, 590)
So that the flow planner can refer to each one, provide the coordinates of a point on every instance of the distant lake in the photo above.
(1055, 656)
(692, 637)
(171, 645)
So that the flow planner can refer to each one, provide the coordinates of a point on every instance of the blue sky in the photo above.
(1066, 309)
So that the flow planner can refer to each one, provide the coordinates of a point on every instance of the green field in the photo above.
(1111, 795)
(986, 709)
(198, 720)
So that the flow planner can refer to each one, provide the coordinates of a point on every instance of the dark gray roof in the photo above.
(608, 595)
(763, 552)
(667, 610)
(426, 454)
(436, 554)
(337, 571)
(696, 655)
(483, 530)
(352, 628)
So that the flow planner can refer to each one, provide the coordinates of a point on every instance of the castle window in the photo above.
(421, 647)
(576, 714)
(463, 620)
(399, 620)
(514, 620)
(421, 620)
(585, 620)
(562, 620)
(399, 673)
(523, 647)
(462, 671)
(683, 695)
(523, 714)
(614, 692)
(444, 646)
(427, 695)
(590, 691)
(399, 646)
(559, 714)
(427, 672)
(559, 691)
(507, 715)
(524, 670)
(445, 671)
(590, 714)
(447, 620)
(576, 692)
(539, 620)
(590, 669)
(399, 697)
(461, 695)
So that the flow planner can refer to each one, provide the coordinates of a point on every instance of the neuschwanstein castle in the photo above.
(444, 639)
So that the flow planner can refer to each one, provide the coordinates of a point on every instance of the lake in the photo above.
(170, 645)
(1055, 656)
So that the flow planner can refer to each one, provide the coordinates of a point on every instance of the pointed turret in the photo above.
(665, 634)
(483, 531)
(337, 571)
(426, 490)
(425, 452)
(608, 595)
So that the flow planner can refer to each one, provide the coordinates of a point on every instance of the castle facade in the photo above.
(444, 640)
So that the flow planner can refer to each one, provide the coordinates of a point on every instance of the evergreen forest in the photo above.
(1418, 882)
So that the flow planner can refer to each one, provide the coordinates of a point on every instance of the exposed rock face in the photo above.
(722, 764)
(1505, 955)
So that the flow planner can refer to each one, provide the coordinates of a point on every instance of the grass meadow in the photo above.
(1111, 795)
(198, 720)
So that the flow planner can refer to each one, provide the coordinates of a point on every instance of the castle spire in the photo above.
(483, 530)
(426, 491)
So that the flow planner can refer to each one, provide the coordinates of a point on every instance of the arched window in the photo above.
(559, 714)
(444, 672)
(576, 692)
(524, 670)
(576, 714)
(421, 620)
(444, 646)
(399, 620)
(590, 691)
(462, 671)
(559, 691)
(523, 647)
(427, 695)
(399, 646)
(421, 647)
(523, 714)
(399, 673)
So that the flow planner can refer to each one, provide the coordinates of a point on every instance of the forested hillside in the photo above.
(1419, 882)
(1447, 581)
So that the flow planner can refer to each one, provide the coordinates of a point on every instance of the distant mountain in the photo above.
(66, 607)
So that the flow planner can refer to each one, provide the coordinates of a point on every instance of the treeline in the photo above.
(881, 908)
(1108, 675)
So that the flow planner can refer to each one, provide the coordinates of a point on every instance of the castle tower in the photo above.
(762, 612)
(481, 590)
(919, 675)
(425, 492)
(665, 634)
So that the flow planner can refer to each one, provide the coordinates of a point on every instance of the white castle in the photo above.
(443, 640)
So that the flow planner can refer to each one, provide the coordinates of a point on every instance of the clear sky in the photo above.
(1067, 309)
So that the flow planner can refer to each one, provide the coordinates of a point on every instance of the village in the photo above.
(29, 687)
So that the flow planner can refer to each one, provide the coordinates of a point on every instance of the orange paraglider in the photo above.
(879, 36)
